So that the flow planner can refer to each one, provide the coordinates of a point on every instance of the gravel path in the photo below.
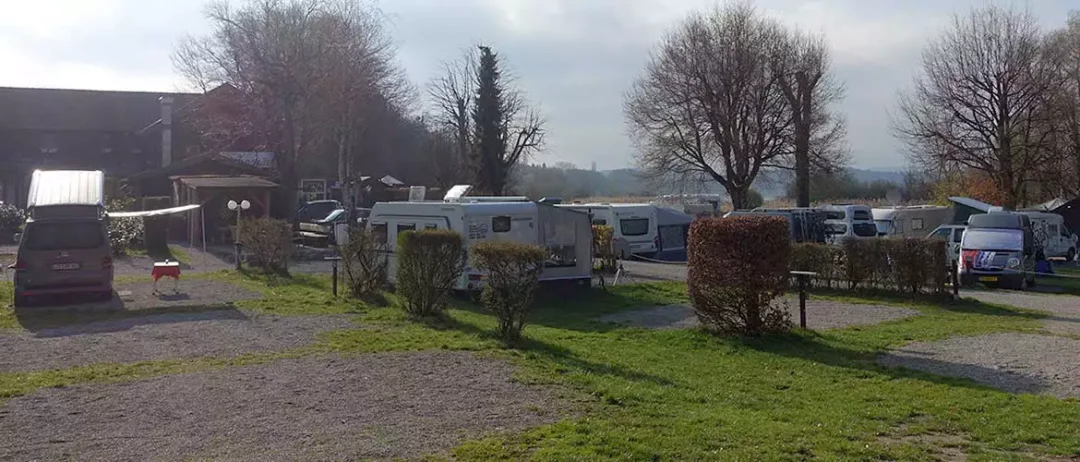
(1018, 363)
(373, 406)
(1064, 309)
(218, 333)
(134, 296)
(820, 315)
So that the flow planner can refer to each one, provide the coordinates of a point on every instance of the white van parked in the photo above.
(566, 234)
(636, 223)
(1052, 236)
(848, 221)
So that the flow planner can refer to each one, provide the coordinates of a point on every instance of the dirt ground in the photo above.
(399, 405)
(820, 315)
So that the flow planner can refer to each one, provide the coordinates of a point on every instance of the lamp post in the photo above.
(243, 205)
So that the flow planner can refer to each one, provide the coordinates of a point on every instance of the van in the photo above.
(998, 249)
(952, 235)
(635, 223)
(64, 247)
(846, 221)
(566, 235)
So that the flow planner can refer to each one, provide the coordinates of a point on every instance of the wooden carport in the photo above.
(213, 193)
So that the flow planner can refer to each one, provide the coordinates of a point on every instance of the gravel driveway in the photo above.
(217, 333)
(373, 406)
(820, 315)
(1018, 363)
(1064, 309)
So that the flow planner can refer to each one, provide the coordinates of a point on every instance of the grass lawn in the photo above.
(688, 395)
(176, 253)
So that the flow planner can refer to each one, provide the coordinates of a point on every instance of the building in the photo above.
(86, 130)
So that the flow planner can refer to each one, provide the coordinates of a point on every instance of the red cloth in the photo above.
(162, 271)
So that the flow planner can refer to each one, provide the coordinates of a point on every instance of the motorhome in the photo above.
(636, 223)
(64, 246)
(565, 234)
(1052, 236)
(910, 221)
(998, 248)
(848, 221)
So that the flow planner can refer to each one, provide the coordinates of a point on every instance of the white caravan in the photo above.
(910, 221)
(1051, 234)
(565, 234)
(636, 223)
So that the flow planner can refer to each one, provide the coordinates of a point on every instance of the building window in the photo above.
(48, 143)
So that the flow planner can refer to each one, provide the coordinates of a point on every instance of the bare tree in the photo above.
(802, 66)
(711, 105)
(452, 95)
(1065, 49)
(982, 100)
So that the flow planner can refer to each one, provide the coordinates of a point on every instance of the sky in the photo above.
(573, 59)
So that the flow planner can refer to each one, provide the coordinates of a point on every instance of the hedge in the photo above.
(738, 266)
(513, 274)
(429, 264)
(903, 265)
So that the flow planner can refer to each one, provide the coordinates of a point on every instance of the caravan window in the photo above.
(634, 226)
(599, 222)
(916, 224)
(501, 224)
(403, 228)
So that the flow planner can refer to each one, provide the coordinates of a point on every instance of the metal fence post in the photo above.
(802, 301)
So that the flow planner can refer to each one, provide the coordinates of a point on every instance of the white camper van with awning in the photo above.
(566, 235)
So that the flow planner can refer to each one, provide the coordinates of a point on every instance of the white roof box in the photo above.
(67, 187)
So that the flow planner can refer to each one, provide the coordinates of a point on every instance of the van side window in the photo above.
(379, 230)
(958, 235)
(500, 224)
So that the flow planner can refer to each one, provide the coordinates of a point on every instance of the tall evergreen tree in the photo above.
(489, 122)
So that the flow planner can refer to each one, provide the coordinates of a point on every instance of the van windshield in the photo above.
(865, 229)
(64, 235)
(993, 239)
(634, 226)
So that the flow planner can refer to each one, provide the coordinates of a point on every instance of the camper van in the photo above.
(1053, 237)
(910, 221)
(565, 234)
(64, 246)
(998, 248)
(847, 221)
(636, 223)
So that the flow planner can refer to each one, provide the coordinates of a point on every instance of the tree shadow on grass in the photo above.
(810, 347)
(556, 354)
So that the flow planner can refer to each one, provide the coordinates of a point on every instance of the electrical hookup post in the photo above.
(238, 208)
(804, 277)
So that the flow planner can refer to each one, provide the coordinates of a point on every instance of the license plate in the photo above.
(988, 279)
(65, 266)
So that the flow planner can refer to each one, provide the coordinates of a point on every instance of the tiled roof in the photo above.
(58, 109)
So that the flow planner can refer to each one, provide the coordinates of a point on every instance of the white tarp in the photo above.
(154, 213)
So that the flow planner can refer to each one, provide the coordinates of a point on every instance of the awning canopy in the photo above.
(153, 213)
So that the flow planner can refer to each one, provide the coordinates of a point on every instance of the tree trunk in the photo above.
(738, 197)
(802, 140)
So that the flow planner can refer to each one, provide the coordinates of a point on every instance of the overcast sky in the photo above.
(573, 58)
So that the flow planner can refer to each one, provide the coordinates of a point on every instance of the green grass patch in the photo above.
(175, 253)
(685, 394)
(7, 312)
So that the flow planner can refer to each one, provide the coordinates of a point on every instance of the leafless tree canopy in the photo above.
(983, 100)
(308, 75)
(1065, 48)
(719, 101)
(453, 97)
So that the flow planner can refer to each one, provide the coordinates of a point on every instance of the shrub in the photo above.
(513, 273)
(429, 264)
(124, 233)
(363, 260)
(267, 243)
(603, 247)
(754, 199)
(737, 267)
(11, 217)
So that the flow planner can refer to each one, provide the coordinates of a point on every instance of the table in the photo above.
(166, 269)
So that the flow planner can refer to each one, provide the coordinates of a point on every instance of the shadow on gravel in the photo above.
(52, 321)
(810, 348)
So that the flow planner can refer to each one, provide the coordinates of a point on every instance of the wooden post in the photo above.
(802, 301)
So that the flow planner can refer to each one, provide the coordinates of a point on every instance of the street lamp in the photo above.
(243, 205)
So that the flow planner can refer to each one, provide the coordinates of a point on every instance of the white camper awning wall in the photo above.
(66, 187)
(153, 213)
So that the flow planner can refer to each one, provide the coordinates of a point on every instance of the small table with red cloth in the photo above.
(167, 269)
